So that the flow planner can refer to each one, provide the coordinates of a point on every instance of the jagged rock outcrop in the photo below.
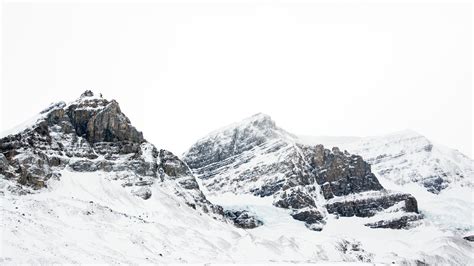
(257, 157)
(339, 173)
(371, 204)
(402, 222)
(469, 238)
(242, 219)
(92, 134)
(313, 219)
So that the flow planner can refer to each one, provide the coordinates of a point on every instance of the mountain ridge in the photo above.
(109, 196)
(301, 178)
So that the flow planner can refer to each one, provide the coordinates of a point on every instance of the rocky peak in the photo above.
(92, 134)
(98, 120)
(87, 93)
(254, 156)
(86, 128)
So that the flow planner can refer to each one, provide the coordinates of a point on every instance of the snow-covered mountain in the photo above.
(256, 157)
(87, 135)
(408, 157)
(80, 184)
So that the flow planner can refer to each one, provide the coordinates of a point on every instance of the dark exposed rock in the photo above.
(368, 207)
(469, 238)
(54, 161)
(172, 165)
(294, 199)
(434, 184)
(87, 93)
(242, 219)
(144, 193)
(340, 174)
(308, 216)
(313, 219)
(110, 125)
(84, 166)
(268, 189)
(99, 120)
(398, 223)
(3, 162)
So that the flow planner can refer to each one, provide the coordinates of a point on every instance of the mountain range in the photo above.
(80, 184)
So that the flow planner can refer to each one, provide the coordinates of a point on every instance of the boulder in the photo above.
(242, 219)
(469, 238)
(313, 219)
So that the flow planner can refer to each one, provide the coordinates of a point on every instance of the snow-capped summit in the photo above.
(259, 119)
(235, 139)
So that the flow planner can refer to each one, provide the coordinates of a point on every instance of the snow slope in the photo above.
(89, 218)
(250, 157)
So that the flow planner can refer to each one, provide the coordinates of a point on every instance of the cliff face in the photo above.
(92, 134)
(407, 157)
(255, 156)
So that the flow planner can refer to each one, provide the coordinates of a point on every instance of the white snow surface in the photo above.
(90, 218)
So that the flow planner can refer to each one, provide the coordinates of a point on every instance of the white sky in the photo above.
(181, 70)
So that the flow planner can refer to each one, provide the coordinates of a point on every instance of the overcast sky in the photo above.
(181, 70)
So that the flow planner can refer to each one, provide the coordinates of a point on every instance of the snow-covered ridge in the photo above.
(256, 157)
(260, 120)
(237, 138)
(407, 156)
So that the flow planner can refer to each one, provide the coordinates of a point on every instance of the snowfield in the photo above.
(89, 218)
